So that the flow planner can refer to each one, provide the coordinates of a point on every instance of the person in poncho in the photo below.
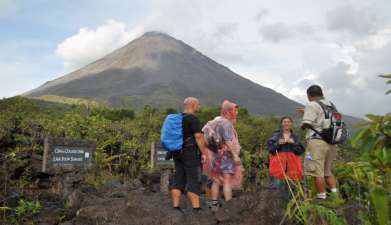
(224, 166)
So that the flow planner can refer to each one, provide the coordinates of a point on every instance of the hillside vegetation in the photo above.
(123, 140)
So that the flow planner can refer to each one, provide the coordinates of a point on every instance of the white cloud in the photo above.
(261, 14)
(352, 18)
(7, 7)
(89, 45)
(276, 32)
(353, 82)
(377, 40)
(18, 76)
(283, 45)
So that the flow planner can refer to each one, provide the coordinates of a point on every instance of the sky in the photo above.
(285, 45)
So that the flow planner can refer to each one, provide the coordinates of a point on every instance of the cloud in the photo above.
(7, 7)
(275, 32)
(340, 46)
(226, 30)
(261, 14)
(89, 45)
(20, 75)
(359, 91)
(351, 18)
(352, 98)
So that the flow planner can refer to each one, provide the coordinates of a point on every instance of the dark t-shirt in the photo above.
(191, 125)
(190, 153)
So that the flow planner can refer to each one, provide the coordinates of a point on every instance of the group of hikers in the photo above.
(214, 151)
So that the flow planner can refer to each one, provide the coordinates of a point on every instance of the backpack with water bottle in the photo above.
(335, 130)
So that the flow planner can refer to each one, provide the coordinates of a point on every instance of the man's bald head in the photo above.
(191, 105)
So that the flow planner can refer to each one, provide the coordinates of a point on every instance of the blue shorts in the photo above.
(227, 164)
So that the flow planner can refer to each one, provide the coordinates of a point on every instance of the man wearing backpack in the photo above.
(319, 153)
(188, 161)
(223, 165)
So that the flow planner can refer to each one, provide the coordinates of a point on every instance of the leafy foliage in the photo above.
(365, 180)
(388, 76)
(28, 208)
(123, 140)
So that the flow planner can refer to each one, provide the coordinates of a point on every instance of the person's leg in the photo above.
(331, 182)
(193, 182)
(227, 188)
(320, 184)
(275, 183)
(315, 166)
(335, 198)
(178, 183)
(330, 157)
(215, 191)
(194, 199)
(176, 197)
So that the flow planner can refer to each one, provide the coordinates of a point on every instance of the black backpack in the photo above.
(213, 138)
(336, 132)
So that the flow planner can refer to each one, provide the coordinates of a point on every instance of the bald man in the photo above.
(187, 175)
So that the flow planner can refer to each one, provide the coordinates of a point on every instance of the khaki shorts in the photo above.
(323, 155)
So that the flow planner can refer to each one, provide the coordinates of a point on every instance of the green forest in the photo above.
(123, 140)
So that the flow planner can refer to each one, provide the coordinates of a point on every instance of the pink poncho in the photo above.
(213, 163)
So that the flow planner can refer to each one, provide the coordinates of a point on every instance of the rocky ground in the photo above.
(67, 200)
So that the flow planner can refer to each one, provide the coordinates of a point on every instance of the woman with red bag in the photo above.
(285, 149)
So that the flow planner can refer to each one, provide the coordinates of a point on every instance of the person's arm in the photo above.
(195, 127)
(309, 116)
(273, 145)
(200, 139)
(235, 153)
(305, 125)
(300, 110)
(298, 147)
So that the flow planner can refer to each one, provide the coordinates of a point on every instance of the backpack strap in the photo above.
(324, 106)
(317, 132)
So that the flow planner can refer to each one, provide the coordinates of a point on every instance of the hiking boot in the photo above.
(209, 204)
(196, 210)
(178, 209)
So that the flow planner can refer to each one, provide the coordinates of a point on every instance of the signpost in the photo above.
(67, 155)
(71, 155)
(66, 158)
(166, 166)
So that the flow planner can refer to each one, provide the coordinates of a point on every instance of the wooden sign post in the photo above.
(67, 155)
(166, 166)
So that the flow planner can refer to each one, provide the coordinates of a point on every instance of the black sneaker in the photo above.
(178, 209)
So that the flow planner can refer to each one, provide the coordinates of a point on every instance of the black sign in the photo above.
(71, 155)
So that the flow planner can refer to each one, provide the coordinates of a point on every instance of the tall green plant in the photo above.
(388, 76)
(371, 171)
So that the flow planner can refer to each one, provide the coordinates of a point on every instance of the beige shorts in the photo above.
(323, 155)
